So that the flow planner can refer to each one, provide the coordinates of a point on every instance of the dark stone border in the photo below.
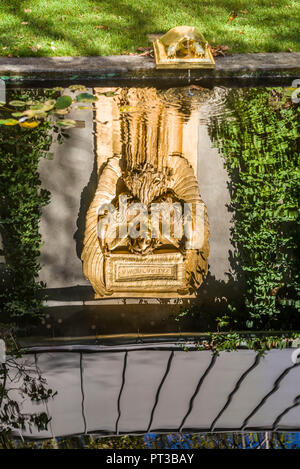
(262, 68)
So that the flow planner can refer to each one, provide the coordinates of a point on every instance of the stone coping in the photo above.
(112, 69)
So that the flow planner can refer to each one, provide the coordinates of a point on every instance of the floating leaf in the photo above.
(63, 102)
(8, 122)
(66, 123)
(86, 97)
(77, 87)
(37, 107)
(35, 113)
(17, 103)
(108, 94)
(71, 123)
(80, 124)
(61, 112)
(84, 108)
(29, 125)
(49, 104)
(45, 107)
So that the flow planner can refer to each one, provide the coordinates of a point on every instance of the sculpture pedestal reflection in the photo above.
(146, 229)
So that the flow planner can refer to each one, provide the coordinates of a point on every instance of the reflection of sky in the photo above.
(289, 440)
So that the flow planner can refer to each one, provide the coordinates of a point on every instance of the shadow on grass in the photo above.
(129, 22)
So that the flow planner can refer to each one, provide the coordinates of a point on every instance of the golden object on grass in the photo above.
(183, 47)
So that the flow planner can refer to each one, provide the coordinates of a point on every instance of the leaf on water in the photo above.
(63, 102)
(61, 112)
(77, 87)
(29, 125)
(86, 108)
(8, 122)
(49, 104)
(71, 123)
(44, 107)
(86, 97)
(80, 124)
(37, 107)
(17, 103)
(35, 113)
(17, 114)
(108, 94)
(66, 123)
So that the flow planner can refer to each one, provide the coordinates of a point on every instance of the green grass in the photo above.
(69, 27)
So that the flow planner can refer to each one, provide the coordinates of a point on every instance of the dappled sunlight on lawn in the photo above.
(91, 27)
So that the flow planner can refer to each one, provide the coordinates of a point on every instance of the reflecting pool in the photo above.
(149, 281)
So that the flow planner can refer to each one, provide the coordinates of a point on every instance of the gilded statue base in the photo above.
(183, 47)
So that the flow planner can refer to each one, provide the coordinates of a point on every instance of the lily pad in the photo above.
(66, 123)
(17, 103)
(29, 125)
(8, 122)
(63, 102)
(86, 97)
(71, 123)
(61, 112)
(77, 88)
(108, 94)
(35, 113)
(86, 108)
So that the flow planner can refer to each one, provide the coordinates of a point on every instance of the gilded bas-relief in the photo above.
(146, 230)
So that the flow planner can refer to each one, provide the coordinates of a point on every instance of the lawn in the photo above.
(104, 27)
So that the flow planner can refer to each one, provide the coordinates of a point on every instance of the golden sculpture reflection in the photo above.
(146, 229)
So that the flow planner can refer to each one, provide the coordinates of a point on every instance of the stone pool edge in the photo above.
(264, 67)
